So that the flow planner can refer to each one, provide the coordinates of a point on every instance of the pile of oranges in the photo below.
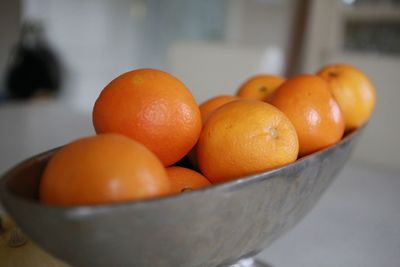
(147, 121)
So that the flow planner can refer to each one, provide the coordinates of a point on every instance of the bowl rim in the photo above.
(5, 192)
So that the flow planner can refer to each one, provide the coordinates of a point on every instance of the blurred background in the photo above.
(62, 53)
(57, 55)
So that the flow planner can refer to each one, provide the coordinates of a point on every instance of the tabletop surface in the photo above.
(356, 223)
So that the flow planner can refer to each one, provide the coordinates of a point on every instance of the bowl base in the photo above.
(249, 262)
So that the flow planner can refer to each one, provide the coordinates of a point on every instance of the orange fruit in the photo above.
(352, 90)
(260, 87)
(184, 179)
(206, 108)
(100, 169)
(212, 104)
(245, 137)
(308, 103)
(152, 107)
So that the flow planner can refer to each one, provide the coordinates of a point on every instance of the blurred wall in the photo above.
(98, 39)
(256, 40)
(210, 69)
(267, 22)
(95, 40)
(10, 14)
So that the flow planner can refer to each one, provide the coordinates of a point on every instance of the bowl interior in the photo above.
(26, 176)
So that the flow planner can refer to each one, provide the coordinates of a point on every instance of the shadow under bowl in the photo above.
(215, 226)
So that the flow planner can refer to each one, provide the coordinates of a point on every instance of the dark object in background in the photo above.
(34, 70)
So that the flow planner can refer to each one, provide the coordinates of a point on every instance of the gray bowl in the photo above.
(216, 226)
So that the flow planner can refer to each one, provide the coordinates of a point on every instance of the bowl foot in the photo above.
(250, 262)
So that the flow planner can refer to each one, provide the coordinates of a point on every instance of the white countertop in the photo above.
(28, 129)
(356, 223)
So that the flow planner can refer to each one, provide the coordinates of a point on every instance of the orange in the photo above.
(152, 107)
(260, 87)
(183, 179)
(308, 103)
(245, 137)
(100, 169)
(212, 104)
(352, 90)
(206, 108)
